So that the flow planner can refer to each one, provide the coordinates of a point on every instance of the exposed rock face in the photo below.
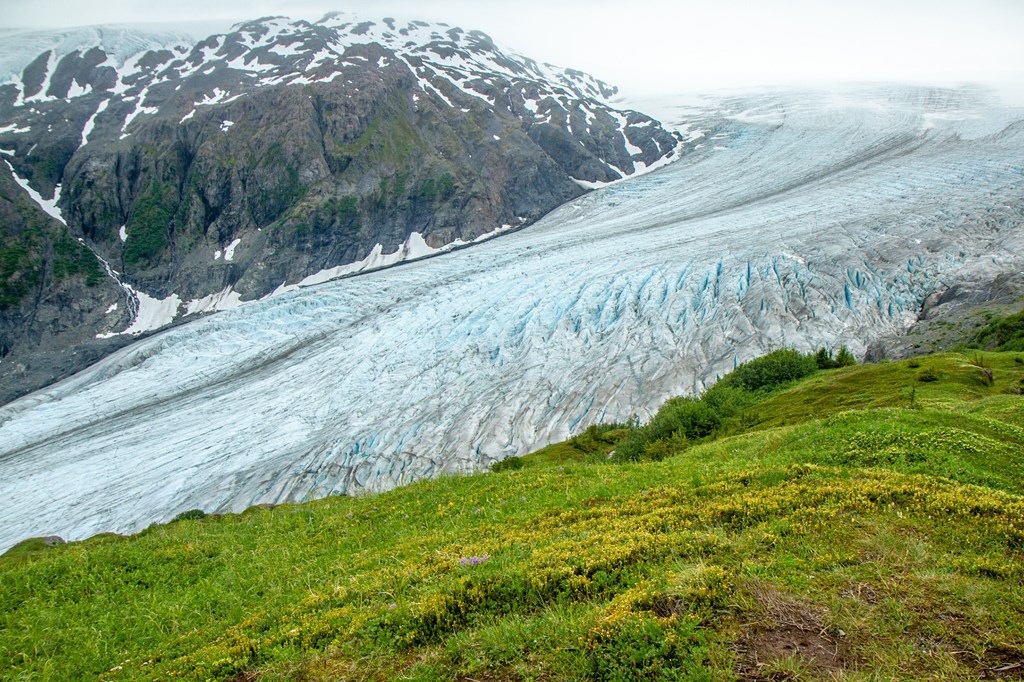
(951, 317)
(54, 296)
(216, 173)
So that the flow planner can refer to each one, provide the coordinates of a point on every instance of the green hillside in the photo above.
(860, 523)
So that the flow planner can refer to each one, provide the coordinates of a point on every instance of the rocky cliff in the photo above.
(278, 154)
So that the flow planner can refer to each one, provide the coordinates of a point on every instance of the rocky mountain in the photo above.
(281, 153)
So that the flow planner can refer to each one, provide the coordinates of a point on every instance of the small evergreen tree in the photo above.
(824, 360)
(845, 358)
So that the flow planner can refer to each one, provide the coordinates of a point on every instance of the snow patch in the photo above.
(416, 247)
(77, 90)
(623, 121)
(765, 115)
(225, 126)
(639, 168)
(217, 97)
(229, 252)
(285, 50)
(13, 128)
(49, 206)
(137, 111)
(587, 184)
(690, 133)
(153, 313)
(228, 299)
(87, 129)
(123, 233)
(255, 66)
(413, 248)
(324, 55)
(935, 119)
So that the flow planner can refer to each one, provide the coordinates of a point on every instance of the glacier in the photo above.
(795, 219)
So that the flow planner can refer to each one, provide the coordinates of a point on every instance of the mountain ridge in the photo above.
(283, 153)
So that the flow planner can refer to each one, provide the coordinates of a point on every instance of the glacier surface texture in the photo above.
(803, 219)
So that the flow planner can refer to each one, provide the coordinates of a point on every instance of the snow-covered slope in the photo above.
(804, 219)
(121, 43)
(119, 65)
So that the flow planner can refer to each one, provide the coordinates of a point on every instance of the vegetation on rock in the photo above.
(149, 227)
(37, 253)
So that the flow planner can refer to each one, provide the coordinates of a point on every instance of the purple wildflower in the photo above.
(473, 560)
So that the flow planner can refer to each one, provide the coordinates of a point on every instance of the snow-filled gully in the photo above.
(827, 223)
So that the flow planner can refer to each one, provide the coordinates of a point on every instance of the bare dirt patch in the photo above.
(763, 646)
(789, 631)
(1002, 663)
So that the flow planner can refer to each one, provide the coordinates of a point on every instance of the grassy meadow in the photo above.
(858, 523)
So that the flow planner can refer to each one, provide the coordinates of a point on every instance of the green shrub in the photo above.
(508, 464)
(1002, 333)
(664, 448)
(597, 436)
(445, 185)
(682, 419)
(190, 515)
(690, 417)
(679, 418)
(727, 401)
(772, 370)
(20, 273)
(645, 648)
(72, 258)
(927, 375)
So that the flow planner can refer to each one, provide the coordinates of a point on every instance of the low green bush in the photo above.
(771, 371)
(190, 515)
(682, 420)
(508, 464)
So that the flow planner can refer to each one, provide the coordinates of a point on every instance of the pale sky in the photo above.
(659, 46)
